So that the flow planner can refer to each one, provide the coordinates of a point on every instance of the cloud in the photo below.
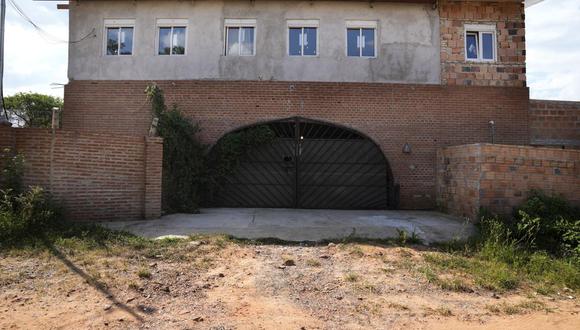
(553, 49)
(32, 62)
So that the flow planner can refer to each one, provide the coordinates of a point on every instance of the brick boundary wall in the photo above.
(555, 123)
(498, 177)
(425, 116)
(94, 176)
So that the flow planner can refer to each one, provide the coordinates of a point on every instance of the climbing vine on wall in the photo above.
(184, 156)
(191, 175)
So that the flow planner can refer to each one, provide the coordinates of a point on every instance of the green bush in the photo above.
(184, 156)
(12, 171)
(27, 214)
(552, 223)
(539, 243)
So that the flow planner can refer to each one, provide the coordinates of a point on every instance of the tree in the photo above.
(32, 109)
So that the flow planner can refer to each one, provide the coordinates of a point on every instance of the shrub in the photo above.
(26, 215)
(12, 171)
(184, 170)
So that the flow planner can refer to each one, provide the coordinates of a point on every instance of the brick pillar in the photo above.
(153, 175)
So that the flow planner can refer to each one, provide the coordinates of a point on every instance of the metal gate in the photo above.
(310, 165)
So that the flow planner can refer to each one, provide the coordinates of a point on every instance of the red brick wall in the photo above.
(509, 20)
(498, 177)
(425, 116)
(94, 176)
(555, 123)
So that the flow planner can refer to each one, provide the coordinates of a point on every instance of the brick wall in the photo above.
(94, 176)
(498, 177)
(555, 123)
(508, 18)
(425, 116)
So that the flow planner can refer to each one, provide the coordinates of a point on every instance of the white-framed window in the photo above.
(361, 39)
(119, 35)
(240, 37)
(303, 37)
(480, 43)
(171, 37)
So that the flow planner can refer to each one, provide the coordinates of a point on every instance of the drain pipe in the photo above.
(492, 131)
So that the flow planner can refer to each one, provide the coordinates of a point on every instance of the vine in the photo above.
(184, 171)
(191, 174)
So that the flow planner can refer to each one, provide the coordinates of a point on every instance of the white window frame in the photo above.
(171, 23)
(118, 23)
(361, 25)
(480, 30)
(301, 23)
(240, 23)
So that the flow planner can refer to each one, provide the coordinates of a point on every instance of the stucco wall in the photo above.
(408, 36)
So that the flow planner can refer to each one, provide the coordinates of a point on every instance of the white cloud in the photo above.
(32, 62)
(553, 49)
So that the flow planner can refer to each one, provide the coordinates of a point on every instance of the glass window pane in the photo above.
(126, 41)
(353, 42)
(178, 41)
(309, 41)
(247, 41)
(487, 44)
(164, 41)
(471, 45)
(112, 41)
(368, 42)
(294, 45)
(233, 35)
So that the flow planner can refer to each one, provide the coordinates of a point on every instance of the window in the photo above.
(480, 43)
(119, 37)
(360, 39)
(172, 37)
(303, 38)
(240, 37)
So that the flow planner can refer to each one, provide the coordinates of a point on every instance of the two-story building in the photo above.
(360, 93)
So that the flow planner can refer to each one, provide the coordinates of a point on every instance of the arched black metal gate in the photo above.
(310, 165)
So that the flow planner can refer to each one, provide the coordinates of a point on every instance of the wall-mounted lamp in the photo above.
(407, 148)
(492, 130)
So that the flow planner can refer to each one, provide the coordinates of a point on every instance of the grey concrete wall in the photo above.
(407, 35)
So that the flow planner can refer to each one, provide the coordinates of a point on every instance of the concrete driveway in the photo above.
(303, 225)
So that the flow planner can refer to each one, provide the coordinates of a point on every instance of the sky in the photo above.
(33, 63)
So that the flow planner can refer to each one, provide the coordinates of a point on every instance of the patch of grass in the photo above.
(133, 286)
(144, 273)
(506, 269)
(351, 277)
(456, 284)
(442, 311)
(519, 308)
(313, 263)
(398, 306)
(449, 284)
(357, 251)
(369, 288)
(403, 237)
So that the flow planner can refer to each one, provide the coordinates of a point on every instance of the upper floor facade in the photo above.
(416, 41)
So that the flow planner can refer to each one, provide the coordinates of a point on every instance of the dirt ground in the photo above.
(225, 285)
